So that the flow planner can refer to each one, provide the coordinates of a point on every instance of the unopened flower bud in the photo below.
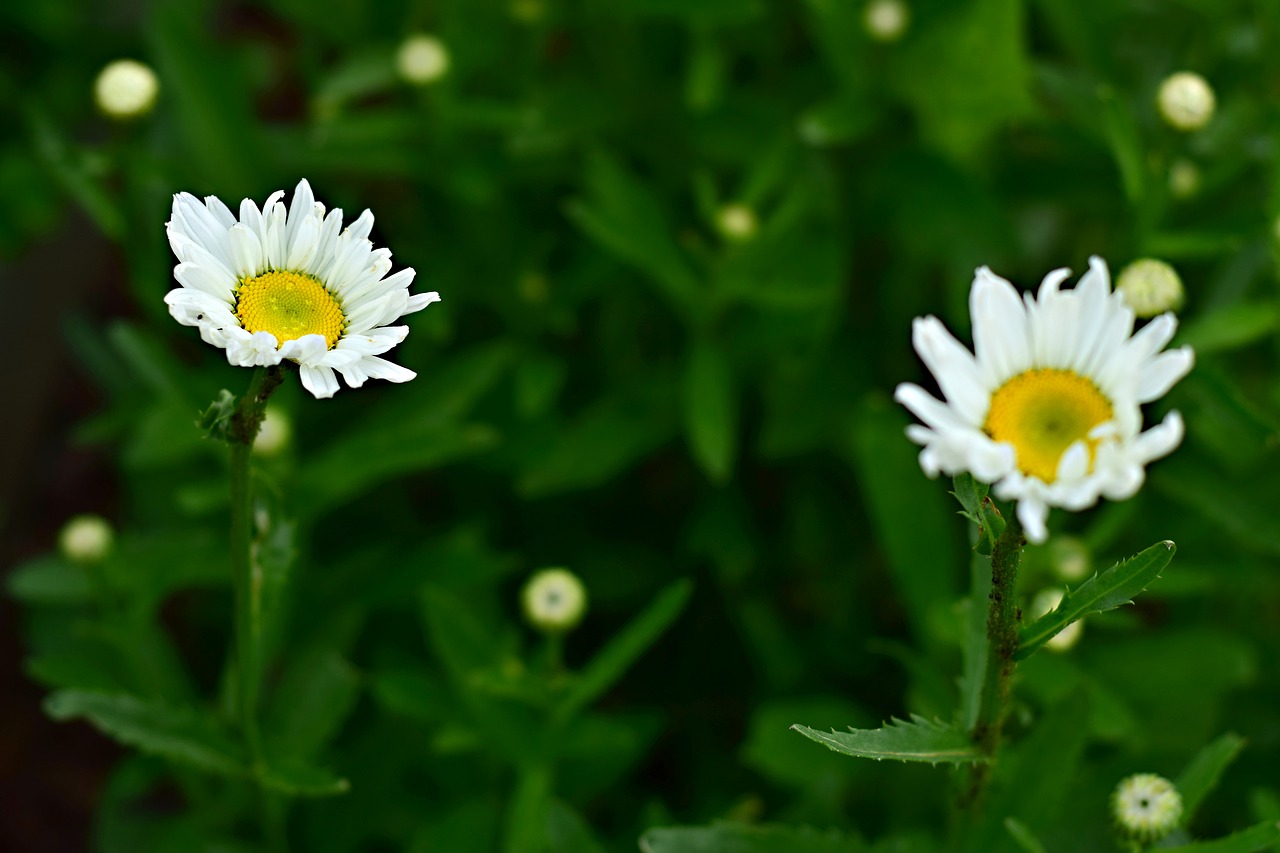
(737, 222)
(86, 539)
(886, 20)
(126, 89)
(1070, 558)
(422, 59)
(1146, 807)
(274, 434)
(1184, 178)
(1186, 100)
(1150, 287)
(554, 600)
(1044, 602)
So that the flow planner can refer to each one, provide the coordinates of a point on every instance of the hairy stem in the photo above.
(241, 432)
(1002, 645)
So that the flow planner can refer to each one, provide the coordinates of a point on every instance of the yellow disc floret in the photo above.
(1042, 413)
(289, 305)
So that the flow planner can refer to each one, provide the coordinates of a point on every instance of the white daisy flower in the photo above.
(1048, 409)
(288, 282)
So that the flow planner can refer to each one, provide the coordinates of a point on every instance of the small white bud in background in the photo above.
(886, 20)
(1186, 101)
(1045, 601)
(737, 222)
(554, 600)
(1146, 807)
(1150, 287)
(422, 59)
(274, 434)
(1070, 558)
(86, 539)
(1184, 178)
(126, 89)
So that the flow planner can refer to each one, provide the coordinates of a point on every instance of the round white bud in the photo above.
(1150, 287)
(886, 20)
(554, 600)
(86, 539)
(1044, 602)
(737, 222)
(274, 434)
(1186, 100)
(1146, 807)
(126, 89)
(422, 59)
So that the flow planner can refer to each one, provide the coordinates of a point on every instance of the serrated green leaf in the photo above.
(930, 741)
(739, 838)
(1201, 775)
(180, 734)
(1114, 587)
(979, 509)
(1250, 840)
(612, 662)
(711, 410)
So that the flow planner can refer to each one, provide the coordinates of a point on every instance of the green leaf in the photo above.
(909, 513)
(976, 647)
(612, 662)
(624, 217)
(50, 580)
(1114, 587)
(315, 696)
(180, 734)
(1250, 840)
(1022, 836)
(918, 740)
(299, 779)
(979, 509)
(711, 410)
(1231, 327)
(1201, 776)
(966, 73)
(740, 838)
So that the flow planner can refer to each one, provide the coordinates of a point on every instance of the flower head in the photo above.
(422, 59)
(288, 282)
(86, 539)
(126, 89)
(1186, 100)
(1048, 410)
(1150, 287)
(1146, 807)
(554, 600)
(886, 20)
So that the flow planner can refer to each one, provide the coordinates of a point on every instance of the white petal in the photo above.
(246, 252)
(1034, 513)
(320, 381)
(954, 368)
(1160, 373)
(1000, 331)
(195, 277)
(418, 301)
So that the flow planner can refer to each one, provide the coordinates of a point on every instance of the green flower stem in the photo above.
(242, 429)
(1002, 645)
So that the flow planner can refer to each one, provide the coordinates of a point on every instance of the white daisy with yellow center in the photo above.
(1047, 407)
(289, 282)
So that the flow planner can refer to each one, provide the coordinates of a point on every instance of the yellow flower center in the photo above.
(1042, 413)
(289, 305)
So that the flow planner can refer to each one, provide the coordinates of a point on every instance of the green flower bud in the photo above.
(886, 20)
(422, 59)
(1150, 287)
(737, 222)
(1186, 101)
(126, 89)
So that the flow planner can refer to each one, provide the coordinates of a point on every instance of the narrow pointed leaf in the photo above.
(1256, 838)
(919, 740)
(1201, 776)
(1113, 588)
(623, 650)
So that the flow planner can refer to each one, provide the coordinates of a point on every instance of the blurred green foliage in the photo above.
(617, 382)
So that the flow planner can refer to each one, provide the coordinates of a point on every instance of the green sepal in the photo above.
(922, 740)
(1111, 589)
(979, 509)
(215, 421)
